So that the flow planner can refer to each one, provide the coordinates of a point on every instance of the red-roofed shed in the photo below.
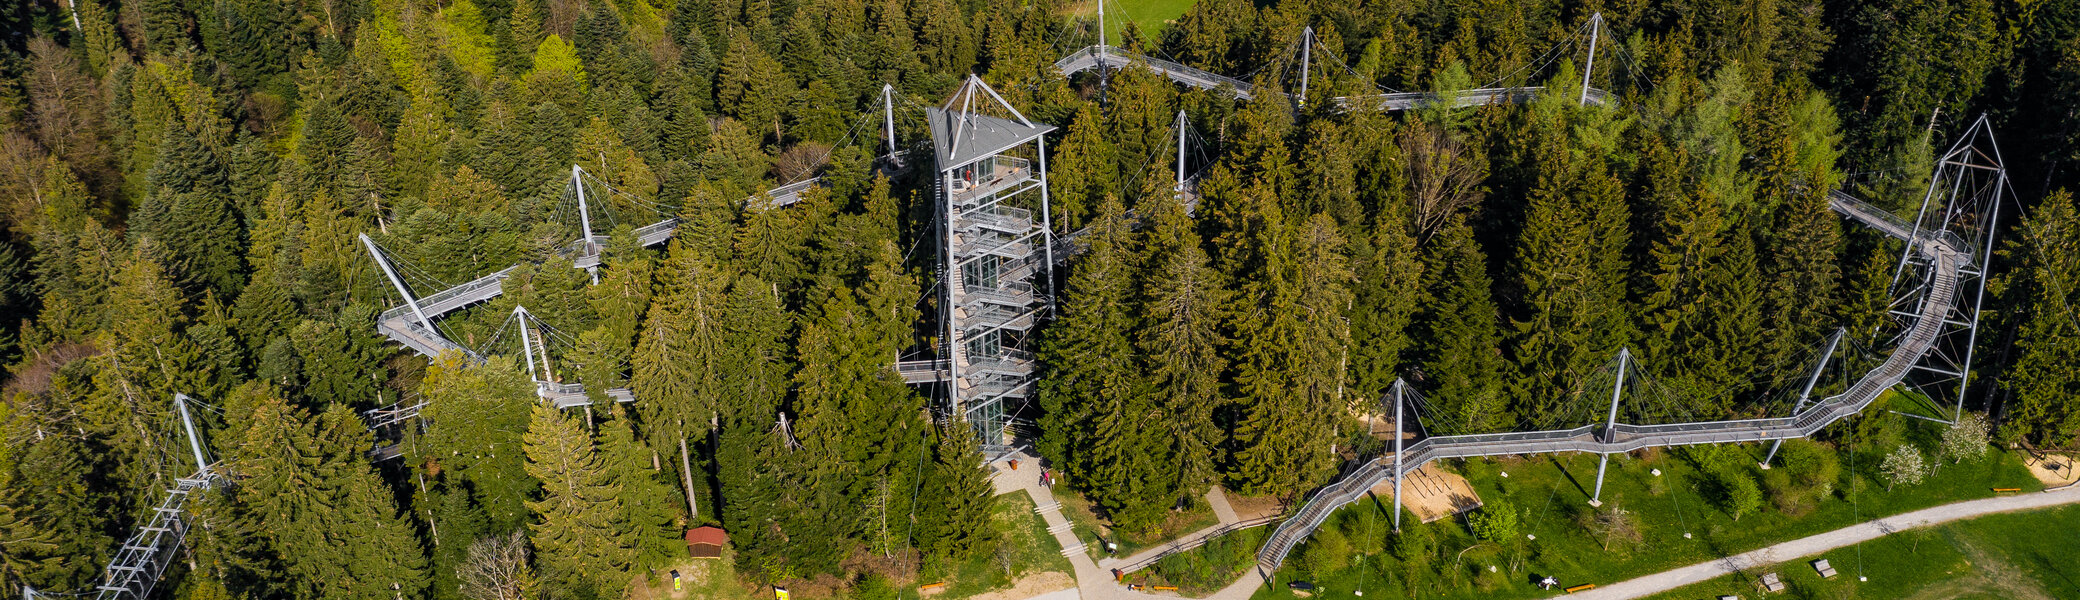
(706, 541)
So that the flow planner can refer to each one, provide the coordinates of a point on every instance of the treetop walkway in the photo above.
(1946, 256)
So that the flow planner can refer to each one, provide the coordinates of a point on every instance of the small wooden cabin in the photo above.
(706, 541)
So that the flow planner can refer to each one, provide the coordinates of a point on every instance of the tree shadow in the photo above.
(1555, 459)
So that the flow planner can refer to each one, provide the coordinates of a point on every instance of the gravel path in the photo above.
(1815, 544)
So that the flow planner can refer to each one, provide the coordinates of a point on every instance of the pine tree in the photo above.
(334, 368)
(1570, 266)
(1386, 295)
(649, 504)
(682, 353)
(859, 424)
(1086, 170)
(1802, 273)
(1293, 362)
(190, 212)
(584, 547)
(322, 509)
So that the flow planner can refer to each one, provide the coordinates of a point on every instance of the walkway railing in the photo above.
(1947, 255)
(137, 565)
(1195, 540)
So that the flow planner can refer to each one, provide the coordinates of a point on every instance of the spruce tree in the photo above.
(958, 521)
(475, 416)
(583, 544)
(333, 524)
(1094, 395)
(1180, 344)
(1570, 269)
(649, 504)
(2047, 282)
(1461, 367)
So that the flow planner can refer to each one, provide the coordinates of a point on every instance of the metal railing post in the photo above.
(888, 116)
(526, 342)
(584, 220)
(1807, 393)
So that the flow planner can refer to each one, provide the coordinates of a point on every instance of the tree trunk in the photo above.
(693, 509)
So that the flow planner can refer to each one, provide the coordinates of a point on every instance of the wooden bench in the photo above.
(1826, 570)
(2003, 490)
(1582, 587)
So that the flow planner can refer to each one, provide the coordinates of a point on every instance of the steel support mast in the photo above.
(1610, 425)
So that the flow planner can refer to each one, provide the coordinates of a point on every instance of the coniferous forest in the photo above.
(185, 184)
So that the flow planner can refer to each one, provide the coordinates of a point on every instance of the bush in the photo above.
(1736, 492)
(1496, 522)
(1787, 497)
(1327, 552)
(1810, 464)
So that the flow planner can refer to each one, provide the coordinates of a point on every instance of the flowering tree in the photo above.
(1904, 466)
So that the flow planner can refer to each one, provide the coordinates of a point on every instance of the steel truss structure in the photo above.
(142, 559)
(996, 255)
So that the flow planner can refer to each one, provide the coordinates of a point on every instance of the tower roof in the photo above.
(961, 135)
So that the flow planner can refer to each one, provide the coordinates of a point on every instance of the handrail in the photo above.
(1947, 253)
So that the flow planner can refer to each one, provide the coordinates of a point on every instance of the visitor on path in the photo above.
(1014, 464)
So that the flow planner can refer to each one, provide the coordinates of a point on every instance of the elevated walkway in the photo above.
(1092, 57)
(402, 326)
(1946, 255)
(1111, 56)
(143, 558)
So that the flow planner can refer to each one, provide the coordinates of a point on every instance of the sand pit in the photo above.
(2054, 470)
(1431, 493)
(1031, 585)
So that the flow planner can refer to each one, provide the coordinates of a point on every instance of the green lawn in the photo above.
(1150, 15)
(2021, 556)
(1027, 548)
(1551, 494)
(1086, 525)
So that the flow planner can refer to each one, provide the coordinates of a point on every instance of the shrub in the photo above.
(1329, 551)
(1496, 522)
(1737, 493)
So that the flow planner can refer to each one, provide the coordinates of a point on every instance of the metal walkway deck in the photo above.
(1093, 56)
(401, 326)
(1946, 255)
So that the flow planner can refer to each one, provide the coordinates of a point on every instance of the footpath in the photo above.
(1815, 544)
(1094, 582)
(1094, 578)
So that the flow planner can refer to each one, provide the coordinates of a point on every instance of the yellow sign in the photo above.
(779, 593)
